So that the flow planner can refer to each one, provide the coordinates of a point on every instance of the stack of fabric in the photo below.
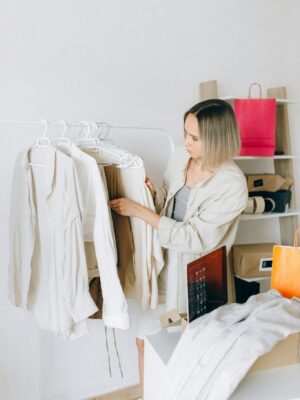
(216, 351)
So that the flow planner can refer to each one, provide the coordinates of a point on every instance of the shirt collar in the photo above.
(49, 162)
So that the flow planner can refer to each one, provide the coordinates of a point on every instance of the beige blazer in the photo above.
(211, 220)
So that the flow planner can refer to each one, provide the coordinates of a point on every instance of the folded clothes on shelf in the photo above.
(268, 182)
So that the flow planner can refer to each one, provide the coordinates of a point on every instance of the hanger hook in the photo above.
(46, 123)
(105, 129)
(94, 126)
(107, 126)
(100, 129)
(66, 126)
(88, 126)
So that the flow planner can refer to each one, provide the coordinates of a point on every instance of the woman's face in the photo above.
(192, 142)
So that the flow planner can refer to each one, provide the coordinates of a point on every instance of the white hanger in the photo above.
(87, 139)
(95, 144)
(125, 159)
(63, 138)
(39, 142)
(43, 138)
(103, 134)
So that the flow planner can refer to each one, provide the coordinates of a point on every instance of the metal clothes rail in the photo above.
(98, 124)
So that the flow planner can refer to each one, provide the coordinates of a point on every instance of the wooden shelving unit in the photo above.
(281, 164)
(285, 157)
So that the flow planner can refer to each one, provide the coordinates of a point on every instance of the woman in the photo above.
(201, 199)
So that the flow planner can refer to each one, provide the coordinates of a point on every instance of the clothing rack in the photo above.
(99, 124)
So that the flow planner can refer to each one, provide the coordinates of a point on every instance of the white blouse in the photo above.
(97, 227)
(48, 271)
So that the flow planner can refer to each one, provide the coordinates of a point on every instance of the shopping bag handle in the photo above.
(297, 232)
(250, 90)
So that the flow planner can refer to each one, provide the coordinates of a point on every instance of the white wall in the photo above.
(129, 62)
(290, 75)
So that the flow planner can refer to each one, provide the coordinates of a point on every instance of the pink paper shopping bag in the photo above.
(257, 121)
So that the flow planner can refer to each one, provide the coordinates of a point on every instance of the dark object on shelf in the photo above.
(282, 199)
(279, 152)
(245, 289)
(207, 283)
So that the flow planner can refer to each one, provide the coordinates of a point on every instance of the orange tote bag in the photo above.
(286, 269)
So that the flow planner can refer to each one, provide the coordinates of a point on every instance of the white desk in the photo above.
(275, 384)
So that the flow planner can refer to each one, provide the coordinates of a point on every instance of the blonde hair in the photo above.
(218, 131)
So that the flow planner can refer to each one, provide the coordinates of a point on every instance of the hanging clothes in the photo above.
(123, 233)
(99, 238)
(148, 258)
(47, 270)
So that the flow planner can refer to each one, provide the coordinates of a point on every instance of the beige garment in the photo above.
(211, 220)
(96, 294)
(124, 241)
(148, 256)
(94, 279)
(91, 260)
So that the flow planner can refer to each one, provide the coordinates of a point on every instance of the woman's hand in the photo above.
(125, 207)
(130, 208)
(150, 185)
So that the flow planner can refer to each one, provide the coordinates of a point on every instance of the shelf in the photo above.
(256, 279)
(250, 217)
(284, 157)
(278, 101)
(283, 165)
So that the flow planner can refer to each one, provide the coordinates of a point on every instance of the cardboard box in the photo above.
(268, 182)
(252, 260)
(173, 321)
(285, 352)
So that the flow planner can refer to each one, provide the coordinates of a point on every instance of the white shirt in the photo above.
(97, 227)
(48, 271)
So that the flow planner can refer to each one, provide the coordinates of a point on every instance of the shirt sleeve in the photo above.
(208, 227)
(75, 279)
(115, 309)
(21, 233)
